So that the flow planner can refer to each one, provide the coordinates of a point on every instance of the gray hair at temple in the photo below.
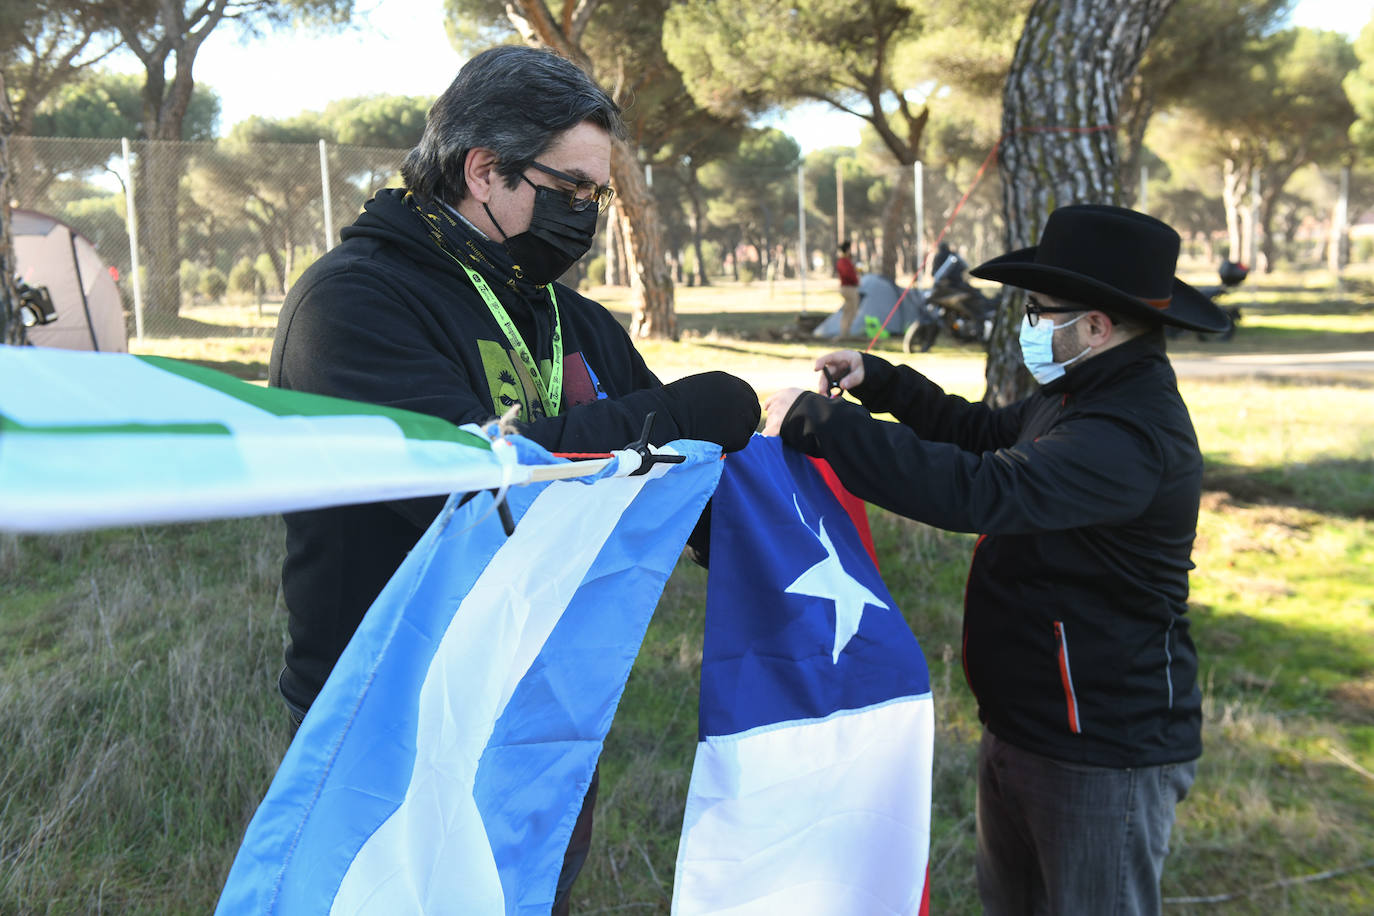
(513, 101)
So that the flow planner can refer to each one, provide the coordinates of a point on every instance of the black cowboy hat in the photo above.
(1112, 259)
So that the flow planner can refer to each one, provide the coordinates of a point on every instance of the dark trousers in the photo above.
(1066, 838)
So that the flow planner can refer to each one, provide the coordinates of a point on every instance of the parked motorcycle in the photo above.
(952, 305)
(1232, 274)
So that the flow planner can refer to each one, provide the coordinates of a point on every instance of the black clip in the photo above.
(832, 383)
(647, 458)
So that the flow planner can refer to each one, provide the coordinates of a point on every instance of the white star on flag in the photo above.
(828, 579)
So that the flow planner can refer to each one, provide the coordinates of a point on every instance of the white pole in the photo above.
(1337, 254)
(919, 169)
(801, 234)
(1144, 206)
(1254, 223)
(328, 207)
(649, 174)
(131, 222)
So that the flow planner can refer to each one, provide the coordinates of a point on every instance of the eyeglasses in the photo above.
(584, 193)
(1034, 310)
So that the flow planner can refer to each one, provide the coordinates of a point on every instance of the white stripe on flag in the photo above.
(438, 814)
(781, 819)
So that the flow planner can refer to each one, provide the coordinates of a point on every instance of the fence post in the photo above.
(919, 173)
(801, 233)
(131, 223)
(328, 206)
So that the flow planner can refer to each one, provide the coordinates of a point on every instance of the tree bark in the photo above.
(11, 331)
(651, 284)
(1059, 122)
(892, 221)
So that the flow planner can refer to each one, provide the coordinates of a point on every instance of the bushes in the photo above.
(213, 284)
(244, 278)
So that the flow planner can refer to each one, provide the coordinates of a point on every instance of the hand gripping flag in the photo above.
(443, 765)
(811, 787)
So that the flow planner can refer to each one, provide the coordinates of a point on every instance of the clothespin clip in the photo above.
(647, 458)
(832, 383)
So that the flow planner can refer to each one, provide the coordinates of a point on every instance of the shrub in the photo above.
(244, 277)
(596, 271)
(213, 284)
(190, 273)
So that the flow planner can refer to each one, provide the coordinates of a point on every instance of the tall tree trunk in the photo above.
(892, 221)
(11, 331)
(651, 284)
(1235, 187)
(698, 220)
(158, 187)
(1059, 123)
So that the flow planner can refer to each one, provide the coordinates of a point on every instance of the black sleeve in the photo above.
(1092, 470)
(935, 416)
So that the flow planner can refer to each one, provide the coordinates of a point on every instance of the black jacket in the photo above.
(1086, 494)
(389, 318)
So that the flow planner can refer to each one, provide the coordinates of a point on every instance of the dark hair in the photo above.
(514, 101)
(844, 246)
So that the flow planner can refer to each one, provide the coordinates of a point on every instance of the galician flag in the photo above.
(811, 787)
(443, 765)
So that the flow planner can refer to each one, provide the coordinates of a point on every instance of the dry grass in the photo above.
(140, 725)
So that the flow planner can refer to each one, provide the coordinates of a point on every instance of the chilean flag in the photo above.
(810, 791)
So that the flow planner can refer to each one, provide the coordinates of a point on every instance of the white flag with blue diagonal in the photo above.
(811, 787)
(443, 765)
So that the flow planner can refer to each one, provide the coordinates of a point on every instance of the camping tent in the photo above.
(877, 295)
(90, 315)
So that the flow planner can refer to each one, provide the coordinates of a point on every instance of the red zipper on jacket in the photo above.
(1066, 678)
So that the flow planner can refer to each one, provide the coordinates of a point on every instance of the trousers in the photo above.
(1068, 838)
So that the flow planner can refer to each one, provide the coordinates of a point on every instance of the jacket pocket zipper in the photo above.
(1066, 678)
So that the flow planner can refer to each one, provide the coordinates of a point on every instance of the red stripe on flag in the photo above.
(854, 506)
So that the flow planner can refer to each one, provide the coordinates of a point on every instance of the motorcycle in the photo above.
(1231, 274)
(951, 305)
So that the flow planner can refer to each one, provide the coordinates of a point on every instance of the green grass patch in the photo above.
(140, 724)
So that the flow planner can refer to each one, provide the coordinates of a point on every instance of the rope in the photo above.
(960, 205)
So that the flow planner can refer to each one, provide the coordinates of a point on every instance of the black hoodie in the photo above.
(1086, 494)
(389, 317)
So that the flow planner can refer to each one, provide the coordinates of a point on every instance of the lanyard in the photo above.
(552, 394)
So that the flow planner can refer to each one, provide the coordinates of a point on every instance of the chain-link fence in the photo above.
(186, 226)
(221, 230)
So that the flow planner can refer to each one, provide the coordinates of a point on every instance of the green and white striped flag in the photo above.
(91, 440)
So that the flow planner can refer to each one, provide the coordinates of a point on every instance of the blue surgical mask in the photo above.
(1037, 349)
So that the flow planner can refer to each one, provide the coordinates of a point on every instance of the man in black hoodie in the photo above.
(1086, 496)
(441, 299)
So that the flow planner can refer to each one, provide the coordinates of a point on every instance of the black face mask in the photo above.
(558, 235)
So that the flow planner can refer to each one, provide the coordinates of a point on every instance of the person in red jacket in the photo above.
(849, 290)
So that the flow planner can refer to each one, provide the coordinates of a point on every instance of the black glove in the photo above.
(714, 406)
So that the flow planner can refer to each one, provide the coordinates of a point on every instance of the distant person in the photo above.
(1085, 496)
(441, 299)
(849, 290)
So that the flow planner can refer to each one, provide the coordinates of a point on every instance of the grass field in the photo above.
(139, 724)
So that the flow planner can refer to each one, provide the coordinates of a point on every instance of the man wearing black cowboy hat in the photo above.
(1085, 495)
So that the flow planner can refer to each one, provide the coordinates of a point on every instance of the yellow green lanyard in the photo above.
(552, 394)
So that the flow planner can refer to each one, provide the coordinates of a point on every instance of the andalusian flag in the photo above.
(96, 439)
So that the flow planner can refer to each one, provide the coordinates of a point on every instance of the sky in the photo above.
(398, 47)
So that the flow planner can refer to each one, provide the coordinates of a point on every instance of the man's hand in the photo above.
(777, 406)
(843, 369)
